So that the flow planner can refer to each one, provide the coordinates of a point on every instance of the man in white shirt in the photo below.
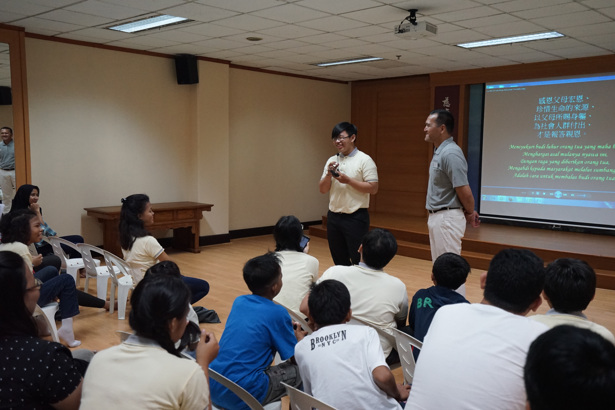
(570, 286)
(341, 364)
(350, 177)
(570, 368)
(377, 297)
(473, 354)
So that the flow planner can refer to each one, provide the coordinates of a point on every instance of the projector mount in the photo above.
(411, 18)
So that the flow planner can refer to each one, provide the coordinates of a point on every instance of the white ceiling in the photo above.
(297, 33)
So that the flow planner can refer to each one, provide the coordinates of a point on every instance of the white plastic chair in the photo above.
(123, 335)
(93, 270)
(297, 318)
(277, 359)
(72, 265)
(300, 400)
(405, 343)
(122, 281)
(49, 312)
(246, 397)
(383, 335)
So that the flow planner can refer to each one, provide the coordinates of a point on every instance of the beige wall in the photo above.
(280, 141)
(212, 128)
(105, 124)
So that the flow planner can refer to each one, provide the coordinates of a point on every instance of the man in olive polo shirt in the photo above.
(449, 198)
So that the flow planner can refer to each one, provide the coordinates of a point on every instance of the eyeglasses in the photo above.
(37, 285)
(339, 139)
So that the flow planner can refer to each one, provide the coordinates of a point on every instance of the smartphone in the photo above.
(304, 242)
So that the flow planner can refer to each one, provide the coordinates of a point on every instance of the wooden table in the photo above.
(183, 217)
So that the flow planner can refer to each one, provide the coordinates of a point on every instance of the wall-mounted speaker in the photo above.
(6, 98)
(186, 69)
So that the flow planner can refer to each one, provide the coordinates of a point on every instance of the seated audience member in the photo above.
(570, 368)
(21, 228)
(35, 373)
(147, 371)
(473, 354)
(299, 269)
(570, 285)
(377, 297)
(27, 197)
(170, 268)
(343, 365)
(140, 249)
(255, 330)
(449, 272)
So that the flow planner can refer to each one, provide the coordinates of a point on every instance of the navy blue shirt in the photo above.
(425, 304)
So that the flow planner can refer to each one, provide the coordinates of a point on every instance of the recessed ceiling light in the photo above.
(352, 61)
(149, 23)
(509, 40)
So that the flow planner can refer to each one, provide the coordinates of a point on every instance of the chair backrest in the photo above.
(123, 335)
(381, 333)
(302, 401)
(237, 389)
(88, 259)
(297, 319)
(51, 326)
(393, 364)
(405, 343)
(111, 260)
(56, 245)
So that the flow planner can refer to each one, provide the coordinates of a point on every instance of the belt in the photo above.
(433, 211)
(352, 213)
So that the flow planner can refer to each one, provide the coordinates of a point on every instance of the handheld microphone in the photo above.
(334, 171)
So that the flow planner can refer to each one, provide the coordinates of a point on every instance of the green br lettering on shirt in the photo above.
(423, 303)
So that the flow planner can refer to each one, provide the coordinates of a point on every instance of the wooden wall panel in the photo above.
(402, 203)
(390, 115)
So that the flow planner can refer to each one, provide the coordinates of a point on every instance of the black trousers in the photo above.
(344, 233)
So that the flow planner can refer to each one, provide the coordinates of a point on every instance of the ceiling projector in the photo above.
(414, 30)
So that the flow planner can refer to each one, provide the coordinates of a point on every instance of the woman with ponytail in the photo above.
(140, 249)
(147, 370)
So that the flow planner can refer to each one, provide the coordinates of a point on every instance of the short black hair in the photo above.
(570, 284)
(329, 302)
(164, 268)
(515, 279)
(287, 233)
(570, 368)
(343, 126)
(261, 272)
(7, 128)
(379, 247)
(450, 270)
(444, 117)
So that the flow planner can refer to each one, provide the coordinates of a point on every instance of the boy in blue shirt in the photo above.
(449, 272)
(256, 329)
